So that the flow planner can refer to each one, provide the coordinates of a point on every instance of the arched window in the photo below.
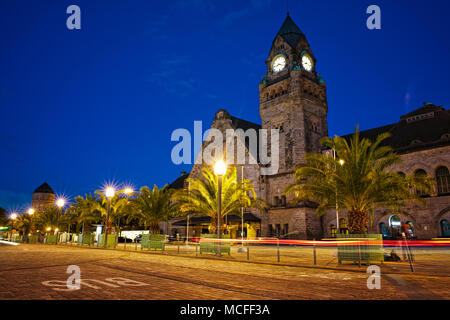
(443, 180)
(420, 172)
(445, 228)
(394, 221)
(383, 229)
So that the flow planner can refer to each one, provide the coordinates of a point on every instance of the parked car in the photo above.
(123, 239)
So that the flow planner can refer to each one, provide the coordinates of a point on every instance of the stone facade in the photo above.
(294, 101)
(42, 197)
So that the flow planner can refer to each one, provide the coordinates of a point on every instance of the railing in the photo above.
(355, 248)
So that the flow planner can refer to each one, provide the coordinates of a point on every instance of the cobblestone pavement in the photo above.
(39, 272)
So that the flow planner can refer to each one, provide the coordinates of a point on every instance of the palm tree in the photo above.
(359, 180)
(154, 206)
(46, 218)
(201, 198)
(86, 210)
(118, 206)
(23, 224)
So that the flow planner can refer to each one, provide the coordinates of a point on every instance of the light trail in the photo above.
(10, 243)
(396, 243)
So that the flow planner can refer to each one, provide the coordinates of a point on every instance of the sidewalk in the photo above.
(429, 262)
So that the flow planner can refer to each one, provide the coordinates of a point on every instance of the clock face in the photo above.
(307, 63)
(279, 63)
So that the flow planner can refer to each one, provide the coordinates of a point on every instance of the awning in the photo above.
(198, 220)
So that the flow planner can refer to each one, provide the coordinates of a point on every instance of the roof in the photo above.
(237, 123)
(179, 182)
(44, 188)
(290, 32)
(197, 220)
(427, 107)
(423, 128)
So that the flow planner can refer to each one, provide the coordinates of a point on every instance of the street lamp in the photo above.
(13, 217)
(128, 191)
(341, 162)
(109, 193)
(60, 204)
(31, 212)
(241, 248)
(220, 169)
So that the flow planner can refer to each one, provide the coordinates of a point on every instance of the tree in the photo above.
(46, 218)
(201, 198)
(118, 206)
(154, 206)
(87, 211)
(358, 179)
(23, 224)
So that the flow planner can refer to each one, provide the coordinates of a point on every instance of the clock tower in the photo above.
(292, 96)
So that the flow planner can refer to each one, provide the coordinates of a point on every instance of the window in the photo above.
(333, 231)
(443, 180)
(270, 228)
(420, 172)
(394, 221)
(283, 201)
(276, 201)
(343, 229)
(445, 228)
(278, 230)
(383, 229)
(286, 229)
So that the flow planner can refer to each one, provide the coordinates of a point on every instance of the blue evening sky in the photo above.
(82, 107)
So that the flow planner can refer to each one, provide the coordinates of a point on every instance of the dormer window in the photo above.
(419, 117)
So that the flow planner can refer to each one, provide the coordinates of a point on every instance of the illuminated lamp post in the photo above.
(31, 212)
(60, 204)
(220, 169)
(241, 248)
(341, 162)
(109, 192)
(13, 217)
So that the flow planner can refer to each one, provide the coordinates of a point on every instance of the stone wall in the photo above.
(425, 218)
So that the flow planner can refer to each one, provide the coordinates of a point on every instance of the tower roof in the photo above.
(44, 188)
(290, 32)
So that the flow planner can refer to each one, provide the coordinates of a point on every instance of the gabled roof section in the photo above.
(243, 124)
(290, 32)
(426, 108)
(179, 182)
(44, 188)
(409, 136)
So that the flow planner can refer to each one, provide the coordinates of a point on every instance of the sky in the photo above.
(83, 107)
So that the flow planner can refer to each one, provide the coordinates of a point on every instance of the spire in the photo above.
(290, 31)
(44, 188)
